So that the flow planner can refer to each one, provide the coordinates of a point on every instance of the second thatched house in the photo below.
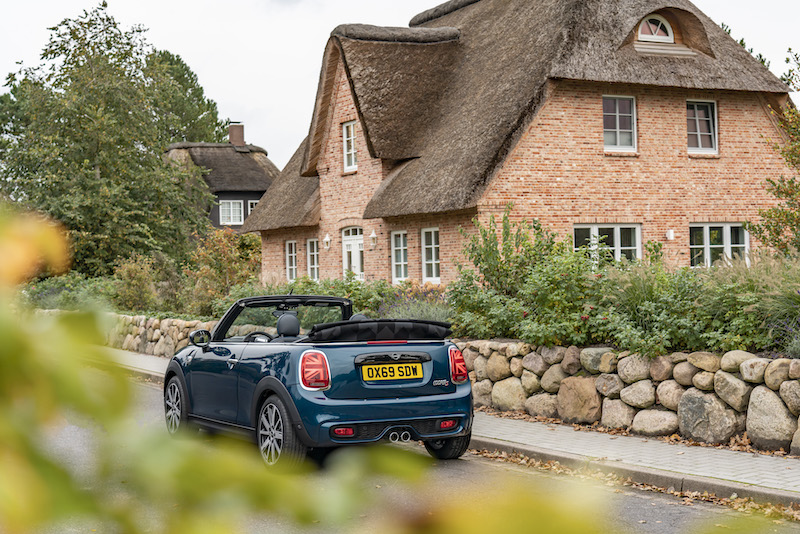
(621, 121)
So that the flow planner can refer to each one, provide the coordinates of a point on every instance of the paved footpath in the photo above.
(645, 460)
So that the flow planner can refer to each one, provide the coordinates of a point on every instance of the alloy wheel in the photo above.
(270, 433)
(172, 405)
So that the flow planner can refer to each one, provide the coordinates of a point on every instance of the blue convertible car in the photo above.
(301, 375)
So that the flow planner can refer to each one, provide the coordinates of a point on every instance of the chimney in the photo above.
(236, 134)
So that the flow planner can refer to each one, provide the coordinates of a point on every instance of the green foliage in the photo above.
(221, 260)
(563, 296)
(84, 134)
(72, 291)
(417, 301)
(135, 284)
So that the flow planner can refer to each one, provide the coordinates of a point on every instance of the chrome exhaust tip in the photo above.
(394, 437)
(405, 436)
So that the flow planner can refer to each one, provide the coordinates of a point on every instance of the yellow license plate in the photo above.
(391, 371)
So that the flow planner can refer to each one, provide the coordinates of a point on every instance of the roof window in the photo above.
(656, 29)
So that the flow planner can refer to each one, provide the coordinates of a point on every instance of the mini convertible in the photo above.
(302, 375)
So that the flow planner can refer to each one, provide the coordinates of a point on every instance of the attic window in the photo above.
(656, 29)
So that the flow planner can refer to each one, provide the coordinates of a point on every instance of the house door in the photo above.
(353, 251)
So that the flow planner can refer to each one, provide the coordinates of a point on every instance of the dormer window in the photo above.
(656, 29)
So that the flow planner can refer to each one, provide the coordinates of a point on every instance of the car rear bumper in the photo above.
(374, 420)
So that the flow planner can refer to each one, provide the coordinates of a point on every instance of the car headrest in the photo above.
(288, 325)
(358, 317)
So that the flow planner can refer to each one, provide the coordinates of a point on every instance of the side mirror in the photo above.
(200, 338)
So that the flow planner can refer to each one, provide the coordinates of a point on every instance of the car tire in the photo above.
(276, 439)
(175, 406)
(449, 448)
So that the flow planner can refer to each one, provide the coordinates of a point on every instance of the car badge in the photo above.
(395, 356)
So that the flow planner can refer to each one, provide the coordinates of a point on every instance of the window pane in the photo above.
(610, 138)
(737, 235)
(737, 252)
(696, 236)
(626, 139)
(690, 111)
(707, 141)
(693, 141)
(627, 237)
(625, 106)
(630, 254)
(609, 105)
(625, 122)
(698, 257)
(702, 111)
(605, 236)
(609, 122)
(715, 236)
(716, 254)
(691, 125)
(582, 237)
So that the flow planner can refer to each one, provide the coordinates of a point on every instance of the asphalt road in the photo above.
(472, 479)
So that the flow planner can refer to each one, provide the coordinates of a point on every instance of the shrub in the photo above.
(134, 284)
(417, 301)
(70, 291)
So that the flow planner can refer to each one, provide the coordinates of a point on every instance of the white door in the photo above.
(353, 251)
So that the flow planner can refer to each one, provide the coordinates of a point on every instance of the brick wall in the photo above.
(560, 174)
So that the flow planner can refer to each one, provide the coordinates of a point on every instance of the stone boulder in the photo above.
(684, 372)
(482, 393)
(669, 393)
(753, 370)
(608, 363)
(469, 357)
(735, 392)
(634, 368)
(794, 369)
(661, 368)
(609, 385)
(551, 380)
(794, 448)
(578, 400)
(515, 364)
(617, 414)
(731, 360)
(508, 395)
(706, 361)
(703, 380)
(655, 423)
(534, 363)
(480, 368)
(776, 373)
(571, 363)
(770, 424)
(498, 368)
(590, 358)
(640, 394)
(517, 349)
(530, 382)
(542, 405)
(704, 417)
(790, 394)
(678, 357)
(552, 355)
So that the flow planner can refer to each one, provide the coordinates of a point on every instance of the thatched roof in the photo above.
(454, 93)
(232, 168)
(292, 200)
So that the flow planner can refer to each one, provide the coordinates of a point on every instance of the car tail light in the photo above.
(314, 371)
(458, 367)
(344, 431)
(447, 424)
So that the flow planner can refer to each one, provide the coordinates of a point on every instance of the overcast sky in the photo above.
(260, 59)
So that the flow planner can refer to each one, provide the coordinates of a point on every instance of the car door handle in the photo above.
(232, 362)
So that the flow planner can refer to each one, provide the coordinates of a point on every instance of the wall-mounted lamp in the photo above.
(373, 238)
(670, 235)
(326, 241)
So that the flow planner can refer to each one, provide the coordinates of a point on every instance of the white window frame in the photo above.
(715, 125)
(227, 219)
(291, 260)
(353, 237)
(399, 260)
(251, 205)
(436, 262)
(726, 242)
(656, 38)
(312, 258)
(349, 152)
(594, 230)
(617, 147)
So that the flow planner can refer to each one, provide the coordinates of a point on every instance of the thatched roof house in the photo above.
(237, 174)
(443, 104)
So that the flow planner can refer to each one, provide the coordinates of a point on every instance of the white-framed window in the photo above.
(701, 126)
(430, 255)
(291, 260)
(231, 212)
(349, 146)
(656, 29)
(399, 256)
(353, 251)
(619, 240)
(619, 123)
(251, 205)
(312, 258)
(711, 242)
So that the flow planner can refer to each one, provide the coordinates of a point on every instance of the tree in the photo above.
(780, 225)
(84, 135)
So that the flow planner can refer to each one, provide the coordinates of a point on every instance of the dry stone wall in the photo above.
(702, 396)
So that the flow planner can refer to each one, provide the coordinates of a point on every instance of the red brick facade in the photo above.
(560, 174)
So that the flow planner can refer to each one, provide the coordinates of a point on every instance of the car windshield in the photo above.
(264, 318)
